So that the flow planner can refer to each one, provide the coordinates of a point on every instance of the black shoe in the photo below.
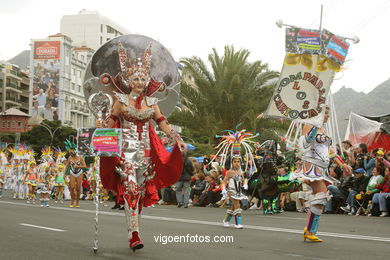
(122, 208)
(116, 206)
(179, 205)
(185, 206)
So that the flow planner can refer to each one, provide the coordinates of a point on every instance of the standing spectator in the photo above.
(380, 198)
(183, 185)
(359, 185)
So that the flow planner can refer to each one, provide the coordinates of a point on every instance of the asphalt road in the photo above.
(58, 232)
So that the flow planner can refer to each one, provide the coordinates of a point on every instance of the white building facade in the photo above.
(89, 28)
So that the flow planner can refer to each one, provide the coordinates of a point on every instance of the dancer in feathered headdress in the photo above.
(31, 179)
(77, 165)
(18, 172)
(59, 155)
(3, 169)
(59, 175)
(234, 182)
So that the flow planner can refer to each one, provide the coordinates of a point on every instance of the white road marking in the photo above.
(47, 228)
(201, 222)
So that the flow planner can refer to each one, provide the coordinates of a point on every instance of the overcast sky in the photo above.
(194, 27)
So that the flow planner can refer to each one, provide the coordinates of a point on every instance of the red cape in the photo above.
(168, 168)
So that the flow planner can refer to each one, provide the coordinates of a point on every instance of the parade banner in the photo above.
(311, 61)
(46, 79)
(302, 89)
(103, 142)
(303, 41)
(335, 47)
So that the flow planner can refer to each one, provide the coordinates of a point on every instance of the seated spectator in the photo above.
(369, 162)
(286, 203)
(387, 157)
(348, 151)
(169, 196)
(380, 160)
(359, 184)
(304, 196)
(361, 153)
(338, 191)
(198, 186)
(380, 198)
(205, 198)
(375, 179)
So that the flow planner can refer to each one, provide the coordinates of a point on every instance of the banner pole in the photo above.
(321, 17)
(96, 201)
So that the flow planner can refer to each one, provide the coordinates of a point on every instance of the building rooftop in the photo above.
(83, 48)
(60, 35)
(13, 112)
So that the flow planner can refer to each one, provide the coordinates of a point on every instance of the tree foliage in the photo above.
(39, 136)
(232, 91)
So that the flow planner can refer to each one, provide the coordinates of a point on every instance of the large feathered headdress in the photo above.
(139, 67)
(69, 145)
(234, 143)
(47, 154)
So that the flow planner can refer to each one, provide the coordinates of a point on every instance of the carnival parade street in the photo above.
(157, 130)
(66, 233)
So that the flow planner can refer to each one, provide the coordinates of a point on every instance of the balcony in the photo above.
(15, 73)
(14, 100)
(13, 86)
(25, 104)
(79, 109)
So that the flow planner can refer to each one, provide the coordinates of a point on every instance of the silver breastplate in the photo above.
(135, 144)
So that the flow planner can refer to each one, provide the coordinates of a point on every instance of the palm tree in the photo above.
(234, 91)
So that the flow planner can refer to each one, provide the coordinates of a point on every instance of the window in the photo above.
(9, 124)
(13, 124)
(73, 85)
(79, 88)
(3, 124)
(110, 29)
(19, 124)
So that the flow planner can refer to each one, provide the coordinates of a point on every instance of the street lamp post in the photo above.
(51, 132)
